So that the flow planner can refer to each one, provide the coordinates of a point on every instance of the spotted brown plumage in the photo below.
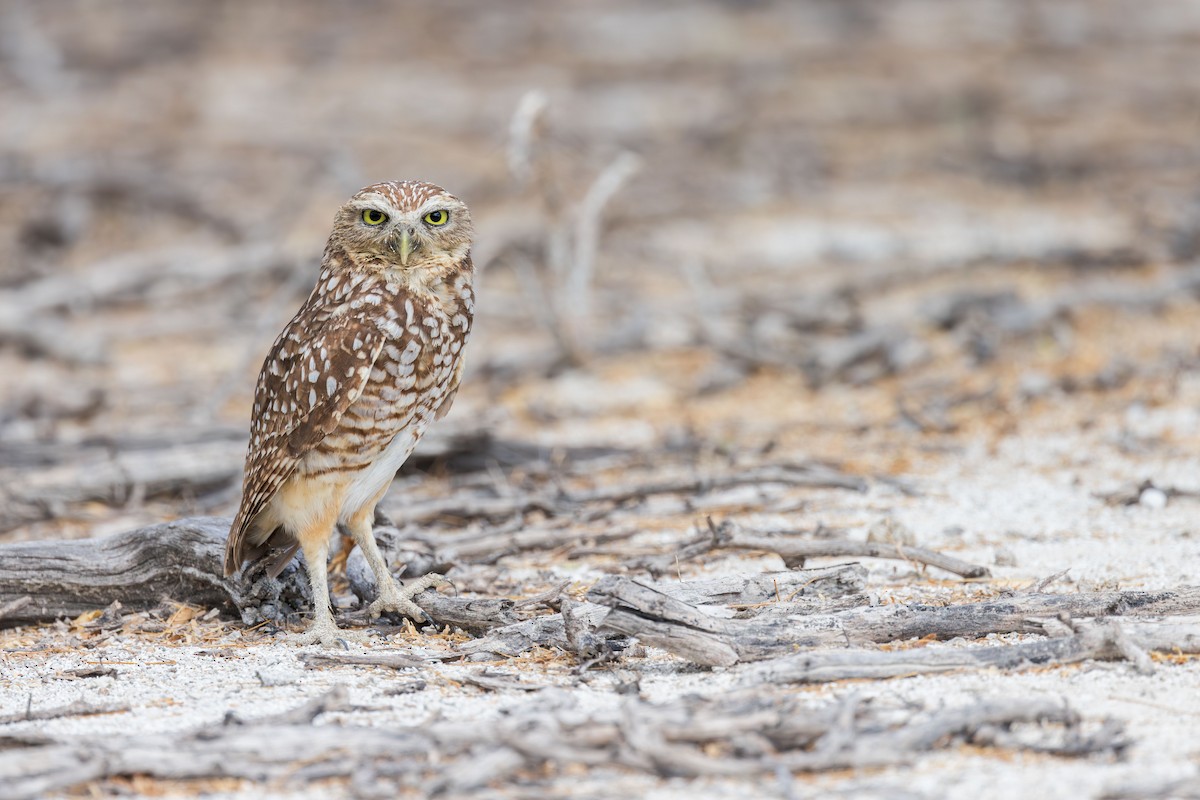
(350, 385)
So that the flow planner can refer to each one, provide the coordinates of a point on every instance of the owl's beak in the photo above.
(405, 246)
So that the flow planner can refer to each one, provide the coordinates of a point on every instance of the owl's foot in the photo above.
(326, 633)
(393, 597)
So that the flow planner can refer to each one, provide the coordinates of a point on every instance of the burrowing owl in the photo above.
(371, 358)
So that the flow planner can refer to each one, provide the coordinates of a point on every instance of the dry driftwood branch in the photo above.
(1103, 641)
(795, 550)
(558, 285)
(550, 735)
(77, 708)
(498, 682)
(336, 699)
(389, 659)
(473, 615)
(575, 289)
(547, 631)
(648, 614)
(175, 270)
(659, 564)
(769, 587)
(576, 628)
(522, 131)
(180, 560)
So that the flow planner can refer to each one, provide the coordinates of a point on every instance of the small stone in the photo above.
(1004, 557)
(1152, 497)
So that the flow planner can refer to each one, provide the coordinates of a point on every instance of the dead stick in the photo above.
(391, 660)
(795, 552)
(77, 708)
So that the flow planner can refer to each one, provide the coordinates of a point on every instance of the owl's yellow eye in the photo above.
(439, 217)
(373, 217)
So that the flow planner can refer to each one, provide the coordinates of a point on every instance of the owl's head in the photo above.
(415, 229)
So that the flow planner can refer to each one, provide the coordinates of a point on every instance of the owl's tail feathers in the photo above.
(280, 558)
(235, 546)
(248, 542)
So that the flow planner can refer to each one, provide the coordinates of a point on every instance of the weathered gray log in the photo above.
(655, 618)
(758, 732)
(177, 560)
(181, 561)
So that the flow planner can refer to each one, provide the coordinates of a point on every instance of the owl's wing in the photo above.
(451, 391)
(315, 371)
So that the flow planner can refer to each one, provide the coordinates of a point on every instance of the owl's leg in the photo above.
(392, 596)
(323, 629)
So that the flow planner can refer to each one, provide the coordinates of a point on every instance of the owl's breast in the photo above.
(415, 372)
(424, 344)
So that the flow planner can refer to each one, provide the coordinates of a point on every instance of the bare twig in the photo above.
(332, 658)
(77, 708)
(796, 551)
(575, 294)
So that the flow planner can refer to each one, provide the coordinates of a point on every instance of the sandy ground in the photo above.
(1013, 505)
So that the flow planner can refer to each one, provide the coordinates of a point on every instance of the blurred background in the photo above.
(856, 230)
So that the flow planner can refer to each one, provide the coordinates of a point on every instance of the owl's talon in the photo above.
(398, 599)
